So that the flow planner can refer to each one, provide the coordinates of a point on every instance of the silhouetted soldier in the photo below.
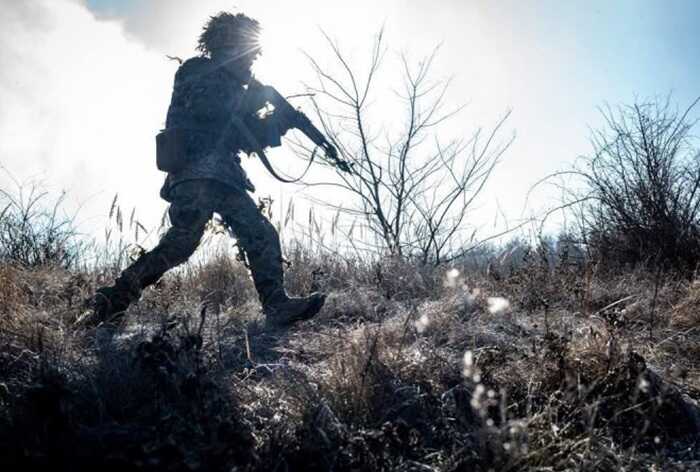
(213, 116)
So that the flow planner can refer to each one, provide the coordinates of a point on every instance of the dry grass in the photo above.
(405, 369)
(686, 313)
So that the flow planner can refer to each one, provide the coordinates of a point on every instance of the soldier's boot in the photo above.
(107, 305)
(282, 311)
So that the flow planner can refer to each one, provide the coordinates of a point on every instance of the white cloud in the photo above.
(82, 98)
(81, 104)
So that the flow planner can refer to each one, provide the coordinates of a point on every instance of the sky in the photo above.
(85, 84)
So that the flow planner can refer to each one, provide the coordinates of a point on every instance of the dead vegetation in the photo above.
(524, 357)
(405, 369)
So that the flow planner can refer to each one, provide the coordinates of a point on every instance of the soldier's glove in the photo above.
(332, 154)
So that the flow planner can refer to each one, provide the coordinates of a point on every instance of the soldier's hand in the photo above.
(332, 155)
(331, 152)
(344, 166)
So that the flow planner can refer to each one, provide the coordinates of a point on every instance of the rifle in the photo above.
(298, 120)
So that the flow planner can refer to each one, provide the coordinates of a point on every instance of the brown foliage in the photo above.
(417, 371)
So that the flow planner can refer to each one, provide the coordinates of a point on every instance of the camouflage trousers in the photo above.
(193, 203)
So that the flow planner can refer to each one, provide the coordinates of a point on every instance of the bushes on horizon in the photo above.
(642, 188)
(33, 230)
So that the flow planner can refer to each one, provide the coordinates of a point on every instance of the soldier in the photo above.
(213, 116)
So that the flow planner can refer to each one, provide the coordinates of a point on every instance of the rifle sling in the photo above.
(252, 140)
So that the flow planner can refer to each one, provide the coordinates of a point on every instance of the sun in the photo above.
(267, 40)
(281, 61)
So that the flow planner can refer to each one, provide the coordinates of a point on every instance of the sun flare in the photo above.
(282, 59)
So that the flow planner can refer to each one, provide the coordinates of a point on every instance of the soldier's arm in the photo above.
(265, 118)
(285, 117)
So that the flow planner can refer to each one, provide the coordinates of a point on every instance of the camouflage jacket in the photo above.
(204, 100)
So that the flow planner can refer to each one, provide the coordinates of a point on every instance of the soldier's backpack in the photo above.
(171, 155)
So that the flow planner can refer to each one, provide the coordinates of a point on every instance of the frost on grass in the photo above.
(497, 305)
(380, 380)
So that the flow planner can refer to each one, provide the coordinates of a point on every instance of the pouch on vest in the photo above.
(171, 149)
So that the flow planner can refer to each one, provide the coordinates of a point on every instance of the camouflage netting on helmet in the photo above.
(229, 30)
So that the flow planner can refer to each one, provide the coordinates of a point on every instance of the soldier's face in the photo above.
(235, 59)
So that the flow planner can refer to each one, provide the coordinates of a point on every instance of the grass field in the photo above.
(531, 366)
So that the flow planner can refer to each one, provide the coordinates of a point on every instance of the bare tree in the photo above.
(412, 189)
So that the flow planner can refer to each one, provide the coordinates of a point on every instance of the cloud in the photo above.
(83, 94)
(81, 104)
(84, 84)
(168, 26)
(84, 90)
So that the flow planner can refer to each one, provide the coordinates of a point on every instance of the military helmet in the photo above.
(226, 30)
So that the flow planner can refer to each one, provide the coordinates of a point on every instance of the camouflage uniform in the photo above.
(204, 98)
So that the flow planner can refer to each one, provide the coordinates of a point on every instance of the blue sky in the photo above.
(112, 6)
(628, 36)
(562, 57)
(552, 62)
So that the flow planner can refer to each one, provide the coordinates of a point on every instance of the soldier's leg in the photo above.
(174, 248)
(259, 240)
(189, 214)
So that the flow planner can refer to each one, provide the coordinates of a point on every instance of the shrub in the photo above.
(34, 232)
(642, 188)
